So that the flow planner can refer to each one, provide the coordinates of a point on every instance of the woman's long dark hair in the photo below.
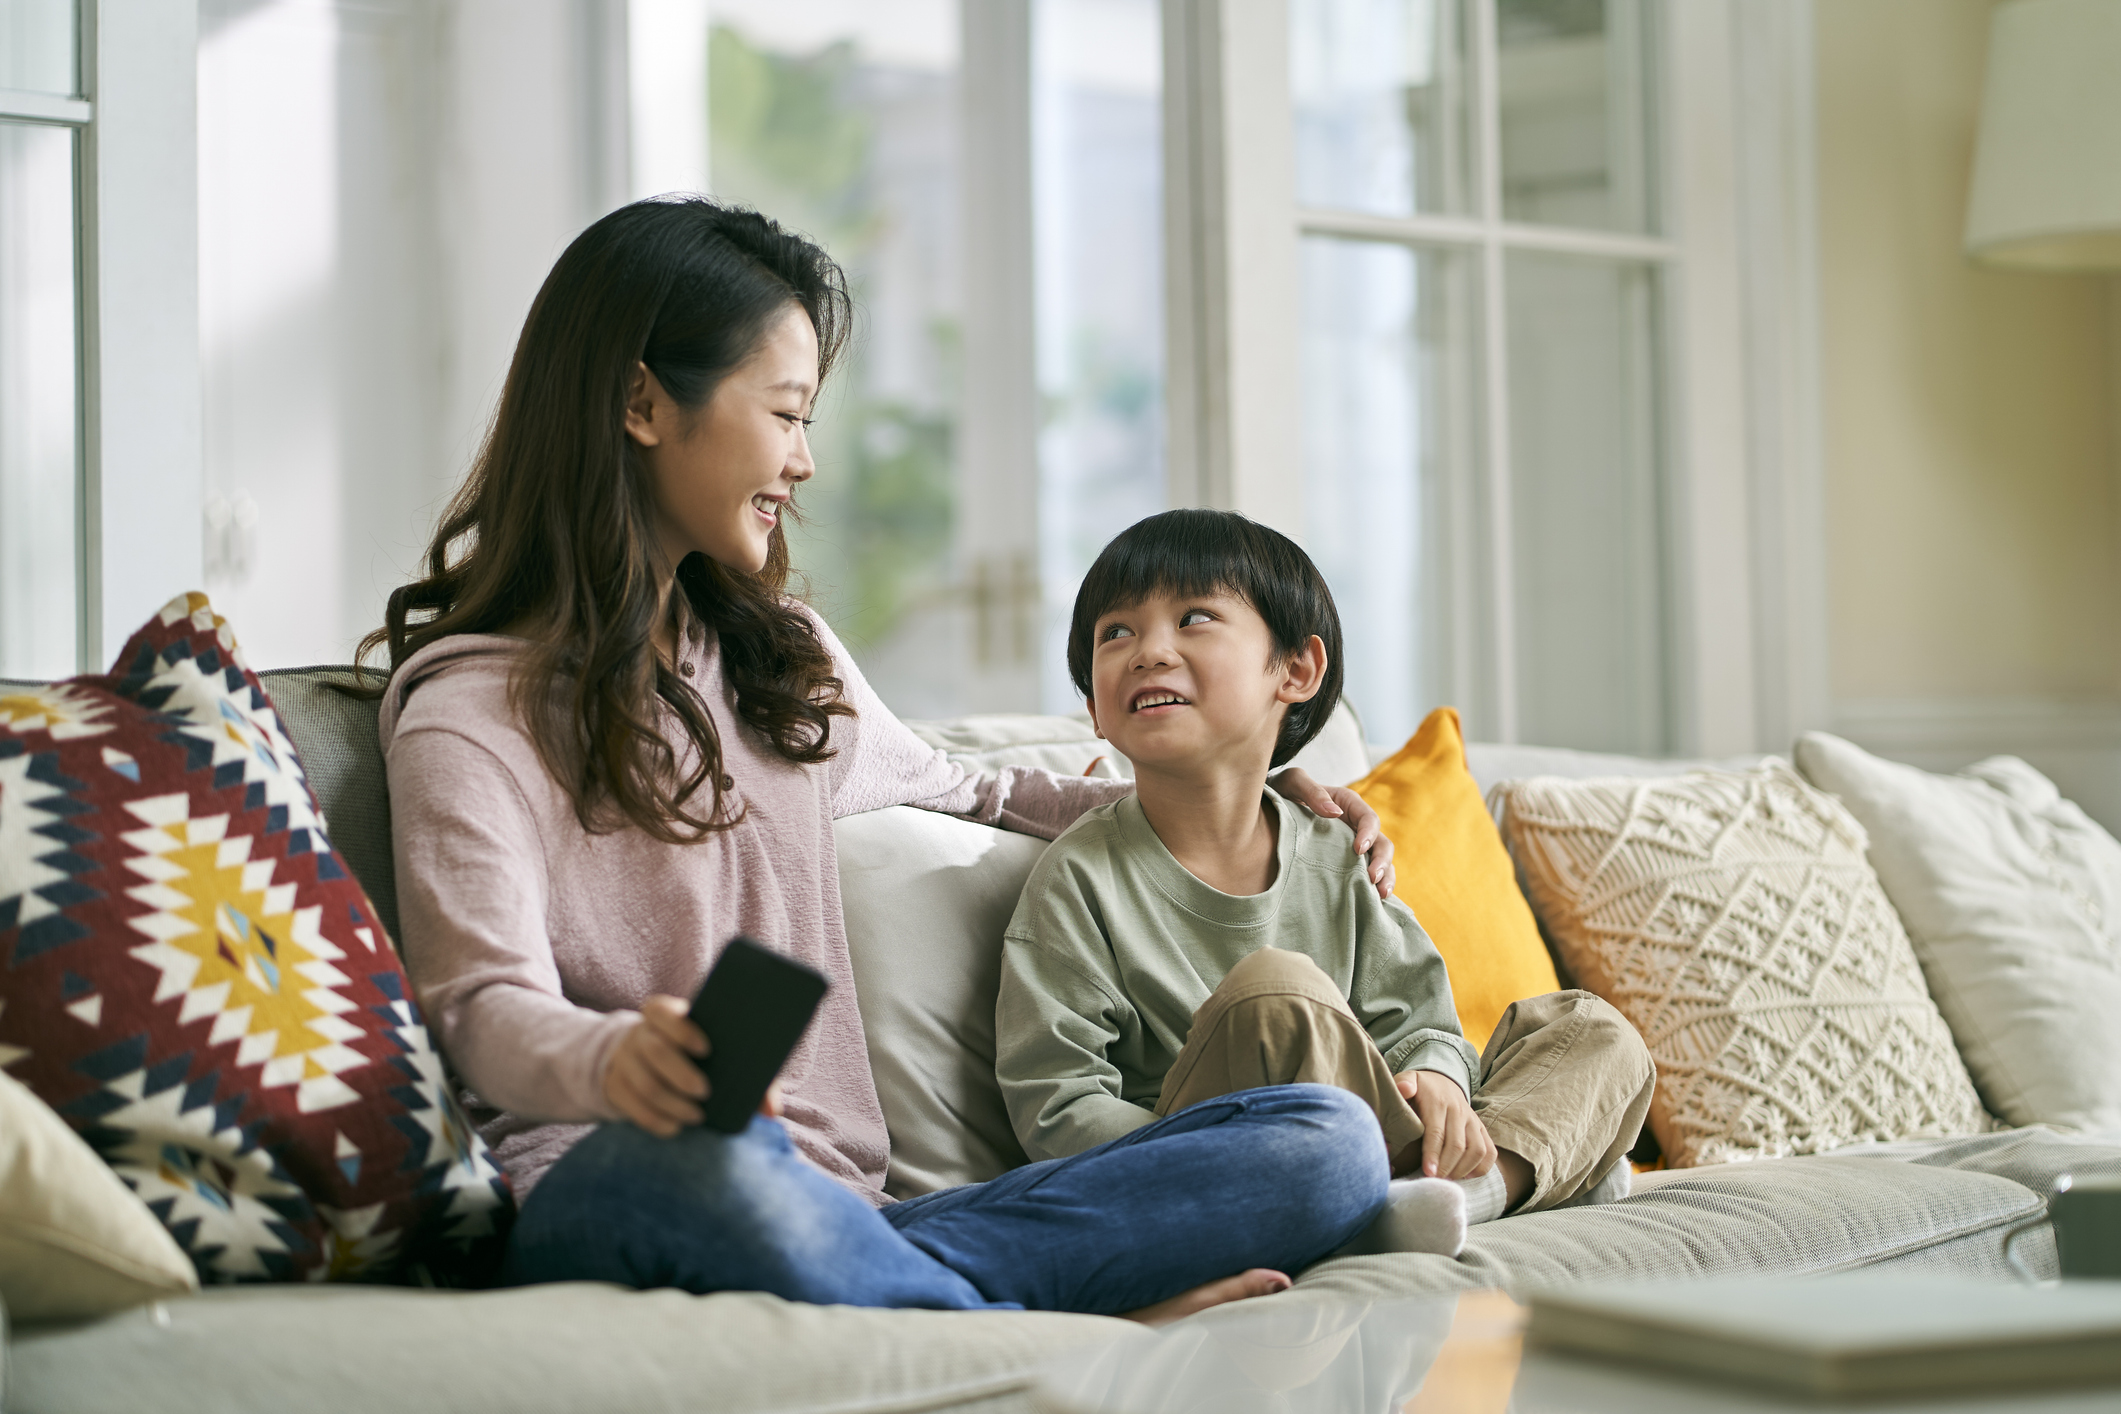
(555, 526)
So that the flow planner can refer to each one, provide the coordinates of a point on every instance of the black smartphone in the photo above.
(754, 1006)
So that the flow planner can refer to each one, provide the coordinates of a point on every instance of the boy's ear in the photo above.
(1303, 672)
(1091, 703)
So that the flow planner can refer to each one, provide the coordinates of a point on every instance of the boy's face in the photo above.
(1177, 681)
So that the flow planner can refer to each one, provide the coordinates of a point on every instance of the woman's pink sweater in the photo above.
(532, 942)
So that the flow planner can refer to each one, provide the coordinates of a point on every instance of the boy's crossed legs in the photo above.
(1565, 1083)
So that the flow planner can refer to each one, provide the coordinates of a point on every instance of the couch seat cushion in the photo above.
(1784, 1216)
(2034, 1157)
(576, 1347)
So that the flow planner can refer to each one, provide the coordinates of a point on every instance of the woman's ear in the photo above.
(648, 408)
(1304, 671)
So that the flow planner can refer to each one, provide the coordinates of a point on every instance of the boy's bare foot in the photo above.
(1259, 1281)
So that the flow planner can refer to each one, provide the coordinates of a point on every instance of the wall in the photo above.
(383, 185)
(1973, 522)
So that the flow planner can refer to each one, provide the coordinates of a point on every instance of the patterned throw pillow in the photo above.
(1732, 917)
(193, 980)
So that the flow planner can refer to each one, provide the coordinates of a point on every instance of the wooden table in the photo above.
(1477, 1368)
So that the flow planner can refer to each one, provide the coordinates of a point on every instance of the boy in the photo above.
(1199, 938)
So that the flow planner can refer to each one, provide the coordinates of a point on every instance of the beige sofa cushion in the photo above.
(2012, 896)
(1732, 918)
(1786, 1217)
(583, 1347)
(74, 1240)
(927, 897)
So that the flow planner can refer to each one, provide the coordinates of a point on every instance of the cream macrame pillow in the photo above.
(1732, 917)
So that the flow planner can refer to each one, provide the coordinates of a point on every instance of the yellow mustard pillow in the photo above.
(1456, 876)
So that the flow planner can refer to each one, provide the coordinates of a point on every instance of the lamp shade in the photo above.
(2047, 165)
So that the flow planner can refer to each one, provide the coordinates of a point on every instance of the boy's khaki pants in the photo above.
(1564, 1083)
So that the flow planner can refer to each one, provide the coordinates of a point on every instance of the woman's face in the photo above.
(723, 473)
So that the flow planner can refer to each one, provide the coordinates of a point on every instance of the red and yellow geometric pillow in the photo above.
(190, 976)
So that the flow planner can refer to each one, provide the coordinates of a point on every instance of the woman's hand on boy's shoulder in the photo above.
(1340, 803)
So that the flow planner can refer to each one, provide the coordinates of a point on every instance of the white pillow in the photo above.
(75, 1242)
(2012, 896)
(1334, 757)
(927, 897)
(988, 743)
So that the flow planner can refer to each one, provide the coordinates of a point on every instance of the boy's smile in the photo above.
(1151, 699)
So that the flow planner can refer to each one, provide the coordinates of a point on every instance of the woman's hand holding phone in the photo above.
(653, 1080)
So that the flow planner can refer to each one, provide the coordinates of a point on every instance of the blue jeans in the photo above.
(1263, 1178)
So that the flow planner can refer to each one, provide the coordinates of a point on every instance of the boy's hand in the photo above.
(1340, 803)
(1455, 1144)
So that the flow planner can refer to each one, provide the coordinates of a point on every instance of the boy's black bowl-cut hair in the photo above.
(1208, 552)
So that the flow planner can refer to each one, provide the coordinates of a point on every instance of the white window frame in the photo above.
(1745, 573)
(142, 479)
(77, 116)
(138, 483)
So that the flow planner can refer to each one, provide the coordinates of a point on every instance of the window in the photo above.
(1483, 286)
(846, 127)
(956, 508)
(1097, 122)
(1425, 283)
(99, 391)
(41, 119)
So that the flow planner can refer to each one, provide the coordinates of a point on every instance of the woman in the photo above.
(596, 781)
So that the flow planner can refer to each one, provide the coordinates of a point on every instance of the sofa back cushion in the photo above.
(927, 897)
(1070, 746)
(336, 736)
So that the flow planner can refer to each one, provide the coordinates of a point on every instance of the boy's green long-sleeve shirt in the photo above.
(1114, 945)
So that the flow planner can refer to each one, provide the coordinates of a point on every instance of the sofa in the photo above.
(926, 900)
